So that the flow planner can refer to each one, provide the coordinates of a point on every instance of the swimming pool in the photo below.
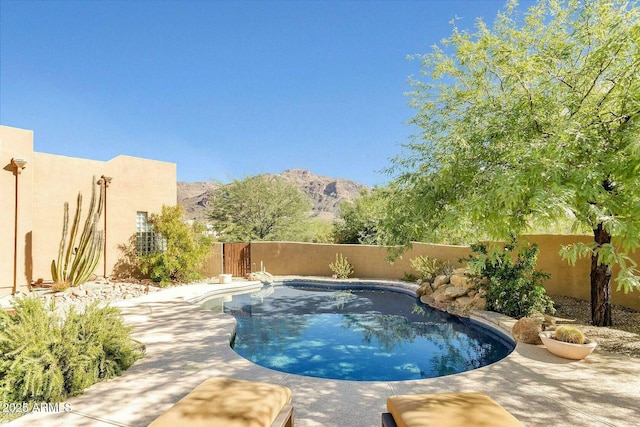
(356, 334)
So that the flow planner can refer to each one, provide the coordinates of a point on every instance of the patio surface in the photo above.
(187, 344)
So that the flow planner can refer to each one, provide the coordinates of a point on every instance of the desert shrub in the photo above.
(341, 267)
(509, 280)
(186, 248)
(429, 268)
(46, 358)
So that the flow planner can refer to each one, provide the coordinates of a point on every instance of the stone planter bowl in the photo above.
(565, 349)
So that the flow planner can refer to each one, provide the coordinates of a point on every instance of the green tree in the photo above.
(360, 221)
(536, 118)
(187, 247)
(320, 231)
(259, 208)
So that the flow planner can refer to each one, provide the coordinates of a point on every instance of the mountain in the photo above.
(326, 193)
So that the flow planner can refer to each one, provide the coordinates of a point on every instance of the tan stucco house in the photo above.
(139, 187)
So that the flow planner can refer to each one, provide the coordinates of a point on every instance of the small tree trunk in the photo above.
(600, 283)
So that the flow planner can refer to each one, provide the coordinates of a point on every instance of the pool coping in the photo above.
(187, 344)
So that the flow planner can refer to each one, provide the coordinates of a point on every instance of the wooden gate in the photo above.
(237, 259)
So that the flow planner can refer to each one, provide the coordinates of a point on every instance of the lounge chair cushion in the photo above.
(227, 402)
(449, 409)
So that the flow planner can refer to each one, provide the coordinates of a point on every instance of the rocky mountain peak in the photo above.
(325, 192)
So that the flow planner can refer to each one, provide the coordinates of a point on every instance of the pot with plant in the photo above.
(568, 342)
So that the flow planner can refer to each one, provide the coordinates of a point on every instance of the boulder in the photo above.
(460, 280)
(427, 299)
(479, 303)
(456, 291)
(425, 289)
(442, 297)
(527, 330)
(464, 301)
(462, 306)
(442, 279)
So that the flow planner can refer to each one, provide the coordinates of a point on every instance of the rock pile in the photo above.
(87, 293)
(454, 293)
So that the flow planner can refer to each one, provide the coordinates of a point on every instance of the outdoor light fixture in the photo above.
(105, 181)
(17, 165)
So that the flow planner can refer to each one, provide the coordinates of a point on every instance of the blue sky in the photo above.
(225, 89)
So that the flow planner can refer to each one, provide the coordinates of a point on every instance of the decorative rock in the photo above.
(427, 299)
(443, 297)
(463, 301)
(462, 271)
(462, 306)
(442, 279)
(425, 289)
(456, 291)
(87, 293)
(472, 293)
(527, 330)
(458, 280)
(480, 303)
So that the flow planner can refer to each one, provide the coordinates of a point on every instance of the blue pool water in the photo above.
(357, 334)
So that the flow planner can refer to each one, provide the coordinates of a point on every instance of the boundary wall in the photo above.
(47, 181)
(312, 259)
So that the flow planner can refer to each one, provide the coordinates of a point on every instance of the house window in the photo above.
(147, 240)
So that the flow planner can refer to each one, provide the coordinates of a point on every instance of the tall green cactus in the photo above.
(76, 263)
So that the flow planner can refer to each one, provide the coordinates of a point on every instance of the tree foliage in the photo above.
(532, 120)
(259, 208)
(186, 248)
(360, 221)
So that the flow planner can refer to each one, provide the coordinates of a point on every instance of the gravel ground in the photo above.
(622, 338)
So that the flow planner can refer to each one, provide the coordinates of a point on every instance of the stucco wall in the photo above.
(15, 143)
(49, 180)
(575, 280)
(283, 258)
(137, 185)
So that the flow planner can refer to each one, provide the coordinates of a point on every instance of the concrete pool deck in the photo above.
(186, 344)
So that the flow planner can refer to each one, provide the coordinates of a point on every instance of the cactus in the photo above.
(341, 268)
(76, 263)
(569, 334)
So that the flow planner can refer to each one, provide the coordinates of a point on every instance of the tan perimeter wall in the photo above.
(213, 266)
(312, 259)
(369, 262)
(50, 180)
